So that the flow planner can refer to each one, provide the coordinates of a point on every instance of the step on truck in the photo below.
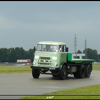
(53, 58)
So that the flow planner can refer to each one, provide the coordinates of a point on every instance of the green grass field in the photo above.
(27, 69)
(96, 66)
(13, 69)
(89, 92)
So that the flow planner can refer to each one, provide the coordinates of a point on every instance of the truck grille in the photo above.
(44, 61)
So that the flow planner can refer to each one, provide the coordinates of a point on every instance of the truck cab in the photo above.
(50, 54)
(53, 56)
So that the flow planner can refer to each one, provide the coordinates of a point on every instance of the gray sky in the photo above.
(24, 23)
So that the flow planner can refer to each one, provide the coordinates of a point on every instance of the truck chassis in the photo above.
(80, 70)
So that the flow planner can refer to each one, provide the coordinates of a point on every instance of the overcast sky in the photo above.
(24, 23)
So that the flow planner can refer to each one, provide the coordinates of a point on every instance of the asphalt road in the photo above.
(13, 86)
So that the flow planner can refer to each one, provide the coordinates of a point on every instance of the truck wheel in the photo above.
(63, 73)
(88, 70)
(35, 73)
(81, 71)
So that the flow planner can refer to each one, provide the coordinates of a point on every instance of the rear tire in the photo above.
(81, 71)
(63, 73)
(35, 73)
(88, 70)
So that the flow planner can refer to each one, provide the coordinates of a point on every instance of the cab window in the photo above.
(62, 48)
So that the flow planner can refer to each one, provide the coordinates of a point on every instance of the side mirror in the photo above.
(34, 49)
(66, 49)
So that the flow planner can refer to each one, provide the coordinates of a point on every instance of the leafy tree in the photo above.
(3, 55)
(99, 57)
(91, 54)
(79, 51)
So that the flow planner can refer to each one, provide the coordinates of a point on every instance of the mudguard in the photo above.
(62, 64)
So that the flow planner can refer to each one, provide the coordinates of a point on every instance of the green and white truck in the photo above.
(52, 57)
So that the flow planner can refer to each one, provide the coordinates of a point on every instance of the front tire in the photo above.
(63, 73)
(35, 73)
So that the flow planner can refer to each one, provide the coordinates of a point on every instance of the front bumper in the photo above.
(49, 68)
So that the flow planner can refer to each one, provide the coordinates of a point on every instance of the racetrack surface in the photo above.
(13, 86)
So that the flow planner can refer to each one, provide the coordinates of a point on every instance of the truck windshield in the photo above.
(48, 48)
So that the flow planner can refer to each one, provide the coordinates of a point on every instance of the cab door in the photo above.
(63, 54)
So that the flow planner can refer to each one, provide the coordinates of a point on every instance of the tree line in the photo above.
(90, 54)
(12, 54)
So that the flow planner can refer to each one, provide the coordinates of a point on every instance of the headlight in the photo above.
(34, 63)
(54, 58)
(36, 57)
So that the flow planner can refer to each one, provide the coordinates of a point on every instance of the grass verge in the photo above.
(96, 66)
(88, 92)
(14, 69)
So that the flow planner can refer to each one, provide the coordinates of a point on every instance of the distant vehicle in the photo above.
(94, 62)
(53, 57)
(6, 62)
(28, 61)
